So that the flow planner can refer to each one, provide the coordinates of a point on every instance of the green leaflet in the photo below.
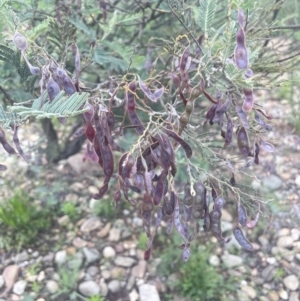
(9, 118)
(207, 12)
(61, 106)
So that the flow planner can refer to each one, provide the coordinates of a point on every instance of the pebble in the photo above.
(117, 272)
(89, 288)
(91, 255)
(271, 183)
(52, 286)
(23, 256)
(64, 220)
(2, 282)
(92, 270)
(133, 295)
(114, 234)
(283, 294)
(90, 224)
(294, 296)
(137, 221)
(268, 273)
(103, 288)
(214, 260)
(295, 234)
(125, 262)
(60, 256)
(273, 296)
(19, 287)
(114, 286)
(231, 261)
(291, 282)
(284, 232)
(148, 292)
(285, 242)
(106, 274)
(104, 231)
(139, 270)
(297, 181)
(109, 252)
(249, 290)
(79, 242)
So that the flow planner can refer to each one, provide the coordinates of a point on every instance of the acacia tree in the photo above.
(179, 75)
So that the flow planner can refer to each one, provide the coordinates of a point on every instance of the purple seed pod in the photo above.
(9, 149)
(219, 203)
(248, 101)
(256, 153)
(186, 254)
(240, 51)
(52, 89)
(242, 215)
(241, 18)
(17, 144)
(34, 70)
(20, 41)
(79, 132)
(266, 146)
(243, 117)
(243, 141)
(241, 239)
(68, 85)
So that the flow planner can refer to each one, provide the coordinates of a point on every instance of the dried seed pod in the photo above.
(20, 41)
(241, 239)
(177, 221)
(68, 85)
(170, 206)
(188, 210)
(9, 149)
(243, 117)
(117, 197)
(186, 254)
(229, 132)
(110, 119)
(158, 193)
(79, 132)
(52, 89)
(188, 198)
(219, 203)
(102, 190)
(17, 144)
(147, 91)
(241, 18)
(158, 218)
(206, 94)
(252, 223)
(261, 122)
(240, 51)
(256, 153)
(266, 146)
(169, 225)
(242, 215)
(90, 153)
(248, 101)
(243, 141)
(34, 70)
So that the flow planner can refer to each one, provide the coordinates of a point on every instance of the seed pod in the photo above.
(17, 144)
(188, 198)
(242, 215)
(248, 101)
(266, 146)
(243, 117)
(108, 159)
(240, 51)
(186, 254)
(170, 206)
(241, 239)
(68, 85)
(90, 153)
(117, 197)
(243, 141)
(206, 94)
(147, 254)
(9, 149)
(252, 223)
(176, 218)
(52, 89)
(20, 41)
(215, 223)
(78, 133)
(256, 153)
(110, 119)
(34, 70)
(97, 150)
(158, 218)
(229, 132)
(200, 193)
(102, 190)
(187, 212)
(158, 193)
(261, 122)
(219, 203)
(147, 91)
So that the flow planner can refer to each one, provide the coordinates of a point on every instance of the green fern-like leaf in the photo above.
(8, 119)
(39, 29)
(207, 14)
(61, 106)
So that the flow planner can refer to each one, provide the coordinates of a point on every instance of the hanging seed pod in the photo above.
(256, 153)
(158, 193)
(17, 144)
(229, 132)
(243, 141)
(266, 146)
(242, 215)
(241, 239)
(186, 254)
(52, 89)
(68, 85)
(248, 101)
(243, 117)
(9, 149)
(219, 203)
(252, 223)
(240, 51)
(20, 41)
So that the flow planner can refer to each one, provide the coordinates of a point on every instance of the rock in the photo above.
(106, 274)
(285, 242)
(271, 183)
(79, 166)
(294, 296)
(91, 255)
(10, 275)
(291, 282)
(283, 294)
(114, 234)
(263, 241)
(41, 276)
(133, 295)
(284, 232)
(52, 286)
(109, 252)
(2, 282)
(114, 286)
(19, 287)
(273, 296)
(130, 283)
(60, 257)
(148, 292)
(90, 224)
(76, 261)
(297, 181)
(214, 260)
(79, 243)
(77, 186)
(103, 288)
(64, 220)
(231, 261)
(89, 288)
(48, 258)
(268, 273)
(23, 256)
(249, 290)
(117, 272)
(92, 270)
(137, 221)
(104, 231)
(271, 260)
(125, 262)
(139, 270)
(295, 234)
(226, 216)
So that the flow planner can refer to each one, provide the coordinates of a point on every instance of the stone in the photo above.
(271, 183)
(148, 292)
(114, 234)
(130, 283)
(41, 276)
(91, 254)
(117, 272)
(297, 181)
(104, 231)
(109, 252)
(139, 270)
(78, 165)
(79, 242)
(133, 295)
(19, 287)
(90, 224)
(295, 234)
(294, 296)
(284, 232)
(249, 290)
(103, 287)
(10, 275)
(273, 296)
(2, 282)
(92, 270)
(114, 286)
(60, 257)
(214, 260)
(77, 186)
(285, 242)
(48, 258)
(89, 288)
(106, 274)
(268, 273)
(231, 261)
(283, 294)
(126, 262)
(23, 256)
(137, 221)
(52, 286)
(271, 260)
(291, 282)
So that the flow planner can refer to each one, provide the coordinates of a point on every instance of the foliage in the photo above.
(104, 208)
(70, 209)
(22, 219)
